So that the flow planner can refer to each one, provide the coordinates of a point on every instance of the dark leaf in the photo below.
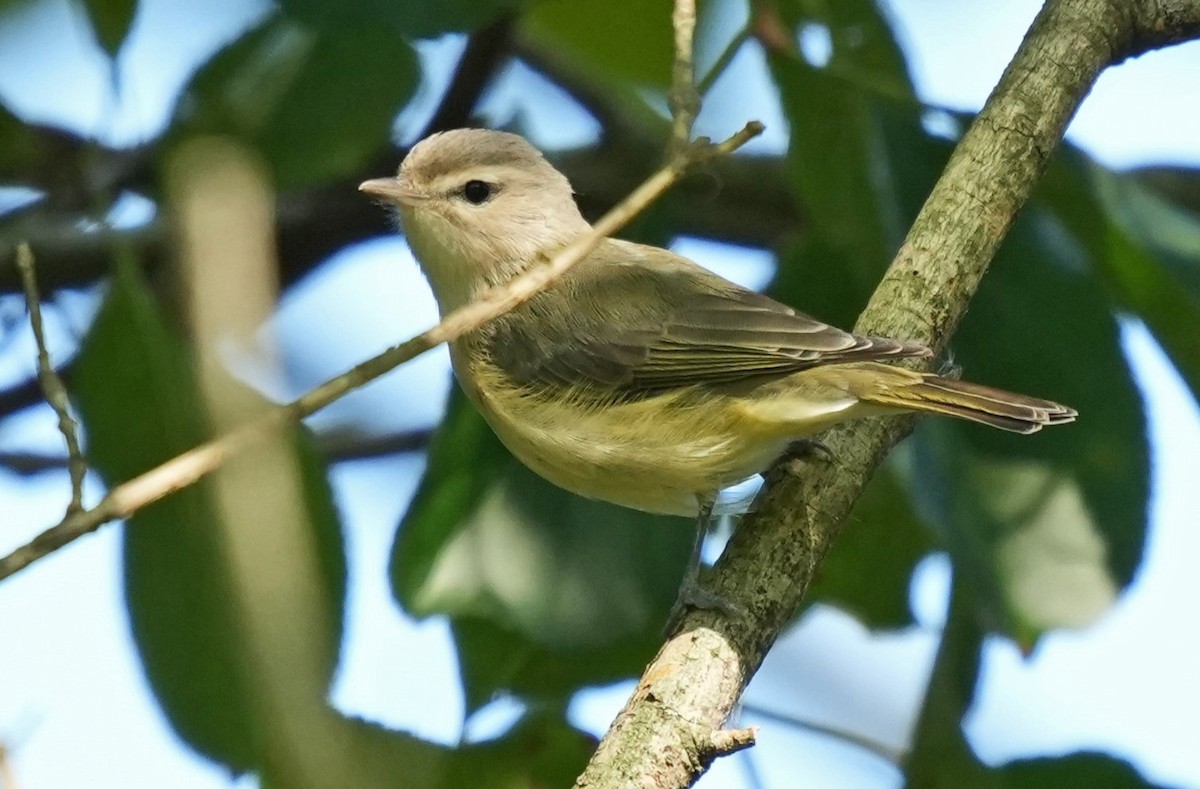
(1145, 249)
(549, 591)
(624, 41)
(868, 570)
(400, 18)
(110, 21)
(861, 165)
(318, 104)
(1081, 770)
(863, 50)
(940, 757)
(1047, 528)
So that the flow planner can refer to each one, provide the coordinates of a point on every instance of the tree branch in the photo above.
(486, 49)
(128, 497)
(698, 676)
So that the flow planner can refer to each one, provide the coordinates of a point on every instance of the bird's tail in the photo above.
(995, 407)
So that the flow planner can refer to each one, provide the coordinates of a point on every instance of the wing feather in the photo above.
(638, 321)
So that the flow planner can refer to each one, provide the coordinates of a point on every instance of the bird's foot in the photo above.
(693, 595)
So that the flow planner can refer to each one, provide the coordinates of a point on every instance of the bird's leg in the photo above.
(691, 593)
(807, 449)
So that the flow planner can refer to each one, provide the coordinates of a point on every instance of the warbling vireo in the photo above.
(639, 377)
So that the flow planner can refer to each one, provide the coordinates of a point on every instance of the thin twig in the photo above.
(52, 385)
(684, 98)
(27, 464)
(723, 60)
(337, 447)
(183, 470)
(893, 756)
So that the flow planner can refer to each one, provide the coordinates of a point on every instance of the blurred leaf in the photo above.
(1045, 529)
(404, 18)
(110, 21)
(864, 52)
(861, 165)
(1177, 183)
(317, 104)
(1019, 535)
(1145, 250)
(940, 757)
(1041, 325)
(541, 750)
(16, 144)
(548, 590)
(1082, 770)
(868, 571)
(139, 403)
(494, 660)
(1167, 230)
(627, 41)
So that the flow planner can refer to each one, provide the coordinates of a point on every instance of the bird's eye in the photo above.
(477, 192)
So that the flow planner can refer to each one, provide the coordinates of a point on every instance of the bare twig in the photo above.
(185, 469)
(52, 385)
(684, 98)
(336, 446)
(30, 463)
(889, 754)
(723, 60)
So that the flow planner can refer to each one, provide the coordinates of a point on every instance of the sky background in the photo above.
(74, 708)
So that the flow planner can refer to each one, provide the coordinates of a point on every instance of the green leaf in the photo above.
(494, 660)
(407, 19)
(110, 21)
(317, 104)
(542, 749)
(138, 400)
(868, 571)
(549, 591)
(861, 166)
(17, 146)
(1082, 770)
(865, 53)
(940, 756)
(1042, 325)
(622, 41)
(1145, 249)
(1044, 528)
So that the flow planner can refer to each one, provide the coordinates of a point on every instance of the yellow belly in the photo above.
(659, 455)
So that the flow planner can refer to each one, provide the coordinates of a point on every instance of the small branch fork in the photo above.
(128, 497)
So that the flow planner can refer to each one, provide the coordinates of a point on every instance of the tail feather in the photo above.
(995, 407)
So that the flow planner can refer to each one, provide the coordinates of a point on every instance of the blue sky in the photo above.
(73, 705)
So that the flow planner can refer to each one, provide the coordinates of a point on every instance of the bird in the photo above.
(639, 377)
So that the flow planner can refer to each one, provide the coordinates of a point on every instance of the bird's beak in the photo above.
(391, 189)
